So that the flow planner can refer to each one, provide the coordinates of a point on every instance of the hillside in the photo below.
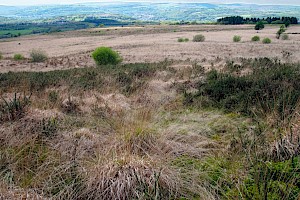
(201, 12)
(189, 112)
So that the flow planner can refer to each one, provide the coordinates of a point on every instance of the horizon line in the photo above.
(132, 1)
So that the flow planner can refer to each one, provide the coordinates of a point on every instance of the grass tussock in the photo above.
(38, 55)
(130, 177)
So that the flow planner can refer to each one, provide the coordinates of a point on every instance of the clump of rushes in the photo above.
(38, 55)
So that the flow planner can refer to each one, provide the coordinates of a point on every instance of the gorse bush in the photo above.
(18, 57)
(255, 38)
(236, 38)
(266, 41)
(199, 38)
(38, 55)
(106, 56)
(284, 36)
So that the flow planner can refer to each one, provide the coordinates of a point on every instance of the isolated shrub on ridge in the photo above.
(106, 56)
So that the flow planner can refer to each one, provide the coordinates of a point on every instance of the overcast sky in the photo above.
(39, 2)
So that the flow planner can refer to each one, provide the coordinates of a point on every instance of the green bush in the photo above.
(284, 36)
(1, 55)
(272, 87)
(183, 39)
(255, 38)
(266, 41)
(18, 57)
(237, 38)
(199, 38)
(38, 55)
(106, 56)
(273, 180)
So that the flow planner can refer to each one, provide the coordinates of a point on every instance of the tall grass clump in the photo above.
(236, 38)
(38, 55)
(15, 108)
(199, 38)
(255, 38)
(106, 56)
(18, 57)
(266, 41)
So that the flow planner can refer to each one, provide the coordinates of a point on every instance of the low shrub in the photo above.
(1, 55)
(106, 56)
(255, 38)
(183, 39)
(18, 57)
(284, 36)
(199, 38)
(272, 88)
(266, 41)
(237, 38)
(38, 55)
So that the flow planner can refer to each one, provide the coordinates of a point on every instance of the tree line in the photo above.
(268, 20)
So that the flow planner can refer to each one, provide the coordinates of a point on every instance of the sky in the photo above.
(39, 2)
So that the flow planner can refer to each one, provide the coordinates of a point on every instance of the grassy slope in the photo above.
(131, 131)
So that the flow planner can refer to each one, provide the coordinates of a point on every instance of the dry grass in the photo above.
(90, 143)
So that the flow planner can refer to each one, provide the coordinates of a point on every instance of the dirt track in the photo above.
(148, 44)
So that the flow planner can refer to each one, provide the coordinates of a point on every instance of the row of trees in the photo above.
(268, 20)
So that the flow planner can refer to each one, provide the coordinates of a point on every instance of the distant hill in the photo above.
(201, 12)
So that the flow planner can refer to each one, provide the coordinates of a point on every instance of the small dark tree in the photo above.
(280, 31)
(287, 23)
(259, 25)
